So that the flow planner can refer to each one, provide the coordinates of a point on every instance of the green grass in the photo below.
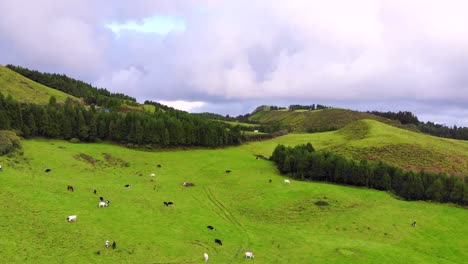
(279, 223)
(372, 140)
(319, 120)
(237, 123)
(26, 90)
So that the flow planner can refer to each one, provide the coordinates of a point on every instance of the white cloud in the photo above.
(183, 105)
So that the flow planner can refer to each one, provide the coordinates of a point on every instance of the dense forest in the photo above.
(80, 89)
(85, 123)
(430, 128)
(304, 163)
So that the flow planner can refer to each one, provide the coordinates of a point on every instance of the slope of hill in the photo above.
(279, 223)
(373, 140)
(26, 90)
(315, 121)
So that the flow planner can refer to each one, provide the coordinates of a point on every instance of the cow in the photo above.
(101, 199)
(107, 244)
(102, 204)
(287, 181)
(168, 203)
(249, 254)
(47, 170)
(127, 185)
(217, 241)
(114, 245)
(107, 203)
(70, 188)
(228, 171)
(94, 191)
(159, 166)
(71, 218)
(188, 184)
(211, 227)
(152, 174)
(0, 167)
(413, 224)
(205, 255)
(270, 180)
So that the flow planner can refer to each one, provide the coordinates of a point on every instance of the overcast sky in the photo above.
(230, 56)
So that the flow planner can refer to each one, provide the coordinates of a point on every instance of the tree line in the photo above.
(312, 107)
(304, 163)
(61, 82)
(75, 121)
(428, 127)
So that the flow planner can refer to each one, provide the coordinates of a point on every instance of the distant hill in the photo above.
(376, 141)
(26, 90)
(314, 121)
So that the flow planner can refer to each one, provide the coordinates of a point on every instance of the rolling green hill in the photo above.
(26, 90)
(279, 223)
(373, 140)
(318, 120)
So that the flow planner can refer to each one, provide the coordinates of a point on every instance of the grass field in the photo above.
(279, 223)
(319, 120)
(372, 140)
(26, 90)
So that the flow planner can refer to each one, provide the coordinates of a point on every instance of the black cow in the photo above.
(101, 199)
(217, 241)
(168, 203)
(211, 227)
(159, 165)
(47, 170)
(94, 191)
(70, 188)
(228, 171)
(114, 245)
(270, 180)
(413, 224)
(127, 186)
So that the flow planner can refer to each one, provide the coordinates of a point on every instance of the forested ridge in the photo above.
(73, 120)
(304, 163)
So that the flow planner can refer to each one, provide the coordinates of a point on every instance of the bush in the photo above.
(8, 141)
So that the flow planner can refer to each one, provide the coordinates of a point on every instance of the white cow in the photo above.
(107, 244)
(206, 256)
(152, 174)
(103, 204)
(71, 218)
(249, 254)
(287, 181)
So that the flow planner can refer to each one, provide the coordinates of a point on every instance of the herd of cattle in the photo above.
(102, 203)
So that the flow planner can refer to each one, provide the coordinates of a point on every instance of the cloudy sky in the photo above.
(230, 56)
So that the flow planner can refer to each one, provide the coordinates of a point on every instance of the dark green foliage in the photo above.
(304, 163)
(171, 128)
(8, 141)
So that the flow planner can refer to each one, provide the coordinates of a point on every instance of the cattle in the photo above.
(168, 203)
(159, 166)
(107, 244)
(211, 227)
(102, 204)
(413, 224)
(101, 199)
(94, 191)
(228, 171)
(217, 241)
(205, 255)
(127, 185)
(1, 167)
(107, 203)
(270, 181)
(287, 181)
(70, 188)
(71, 218)
(47, 170)
(152, 174)
(249, 254)
(188, 184)
(114, 245)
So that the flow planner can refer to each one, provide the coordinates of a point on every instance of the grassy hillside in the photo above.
(372, 140)
(279, 223)
(26, 90)
(319, 120)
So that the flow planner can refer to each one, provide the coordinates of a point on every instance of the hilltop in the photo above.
(26, 90)
(376, 141)
(313, 121)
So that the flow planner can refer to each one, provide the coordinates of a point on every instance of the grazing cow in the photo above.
(287, 181)
(159, 166)
(228, 171)
(71, 218)
(413, 224)
(205, 255)
(270, 180)
(114, 245)
(217, 241)
(211, 227)
(107, 244)
(127, 186)
(102, 204)
(70, 188)
(168, 203)
(98, 252)
(94, 191)
(188, 184)
(47, 170)
(107, 203)
(0, 167)
(101, 199)
(152, 174)
(249, 254)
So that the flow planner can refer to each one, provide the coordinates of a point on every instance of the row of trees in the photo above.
(90, 94)
(72, 120)
(304, 163)
(431, 128)
(312, 107)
